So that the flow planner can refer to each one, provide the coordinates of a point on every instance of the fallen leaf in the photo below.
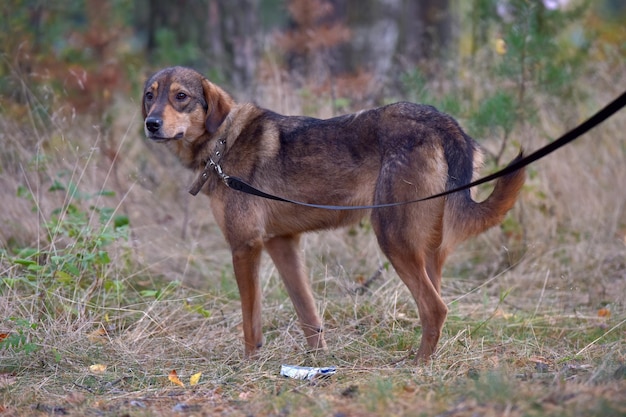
(501, 313)
(98, 368)
(410, 388)
(500, 46)
(173, 377)
(97, 335)
(195, 378)
(542, 365)
(3, 336)
(539, 359)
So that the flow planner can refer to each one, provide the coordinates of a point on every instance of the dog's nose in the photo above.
(153, 124)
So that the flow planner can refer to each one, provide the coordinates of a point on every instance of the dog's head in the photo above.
(180, 103)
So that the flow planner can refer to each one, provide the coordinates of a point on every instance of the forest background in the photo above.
(117, 296)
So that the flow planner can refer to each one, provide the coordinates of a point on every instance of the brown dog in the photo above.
(394, 153)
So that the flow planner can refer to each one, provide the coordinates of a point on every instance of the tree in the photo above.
(219, 37)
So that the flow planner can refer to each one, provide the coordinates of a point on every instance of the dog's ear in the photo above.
(219, 104)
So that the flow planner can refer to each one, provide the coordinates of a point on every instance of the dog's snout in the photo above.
(153, 124)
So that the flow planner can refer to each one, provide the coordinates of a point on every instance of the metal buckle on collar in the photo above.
(213, 162)
(217, 169)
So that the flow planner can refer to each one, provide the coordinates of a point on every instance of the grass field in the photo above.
(112, 277)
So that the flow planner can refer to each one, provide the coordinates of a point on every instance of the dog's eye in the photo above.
(149, 96)
(181, 96)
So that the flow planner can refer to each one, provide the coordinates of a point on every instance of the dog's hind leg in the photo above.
(246, 261)
(405, 245)
(432, 309)
(285, 252)
(434, 265)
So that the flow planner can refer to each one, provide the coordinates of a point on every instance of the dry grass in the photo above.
(536, 327)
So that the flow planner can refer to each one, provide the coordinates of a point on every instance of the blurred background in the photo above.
(84, 54)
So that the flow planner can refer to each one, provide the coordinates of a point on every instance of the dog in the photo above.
(395, 153)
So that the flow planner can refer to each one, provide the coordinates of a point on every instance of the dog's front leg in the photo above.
(246, 259)
(285, 252)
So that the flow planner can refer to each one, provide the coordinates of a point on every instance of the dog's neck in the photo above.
(209, 153)
(209, 156)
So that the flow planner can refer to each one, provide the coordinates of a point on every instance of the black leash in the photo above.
(519, 162)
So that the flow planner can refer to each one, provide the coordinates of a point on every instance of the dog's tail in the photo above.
(465, 217)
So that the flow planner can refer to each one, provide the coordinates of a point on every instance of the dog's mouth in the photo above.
(158, 138)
